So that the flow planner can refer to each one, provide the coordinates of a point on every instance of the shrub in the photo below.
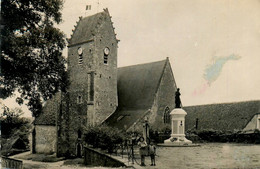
(211, 135)
(104, 137)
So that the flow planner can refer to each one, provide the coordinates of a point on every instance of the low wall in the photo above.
(11, 163)
(96, 158)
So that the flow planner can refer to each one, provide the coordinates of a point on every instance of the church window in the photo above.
(91, 86)
(80, 52)
(79, 100)
(106, 53)
(166, 117)
(105, 59)
(80, 60)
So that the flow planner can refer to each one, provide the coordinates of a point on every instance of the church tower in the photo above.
(92, 94)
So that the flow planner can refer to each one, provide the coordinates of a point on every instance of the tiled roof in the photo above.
(87, 27)
(226, 116)
(50, 109)
(138, 84)
(123, 119)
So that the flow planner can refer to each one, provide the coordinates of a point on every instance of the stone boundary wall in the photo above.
(11, 163)
(96, 158)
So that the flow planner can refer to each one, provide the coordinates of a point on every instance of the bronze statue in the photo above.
(177, 99)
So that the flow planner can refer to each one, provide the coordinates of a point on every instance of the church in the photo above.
(101, 93)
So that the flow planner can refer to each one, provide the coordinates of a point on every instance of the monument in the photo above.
(177, 125)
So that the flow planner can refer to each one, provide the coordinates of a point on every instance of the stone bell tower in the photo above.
(92, 68)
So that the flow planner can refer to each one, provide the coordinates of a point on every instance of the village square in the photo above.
(92, 109)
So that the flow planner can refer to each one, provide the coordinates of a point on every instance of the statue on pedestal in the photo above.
(177, 99)
(177, 125)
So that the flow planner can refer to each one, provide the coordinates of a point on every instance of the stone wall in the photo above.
(95, 158)
(45, 139)
(106, 74)
(10, 163)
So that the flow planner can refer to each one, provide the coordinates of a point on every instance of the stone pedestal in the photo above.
(178, 128)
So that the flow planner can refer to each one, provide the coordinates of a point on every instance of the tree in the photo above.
(15, 130)
(31, 51)
(11, 120)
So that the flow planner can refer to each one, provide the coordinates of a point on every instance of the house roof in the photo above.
(87, 26)
(227, 116)
(137, 86)
(50, 109)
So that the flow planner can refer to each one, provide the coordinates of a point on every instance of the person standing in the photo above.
(142, 150)
(152, 151)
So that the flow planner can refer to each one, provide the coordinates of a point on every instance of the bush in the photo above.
(210, 135)
(104, 137)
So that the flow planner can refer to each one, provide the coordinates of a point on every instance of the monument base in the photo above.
(181, 140)
(178, 142)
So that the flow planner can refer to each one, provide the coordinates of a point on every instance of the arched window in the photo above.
(166, 116)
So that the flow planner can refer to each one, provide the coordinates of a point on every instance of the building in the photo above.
(145, 91)
(99, 92)
(237, 116)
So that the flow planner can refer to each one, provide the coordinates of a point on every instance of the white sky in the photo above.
(193, 34)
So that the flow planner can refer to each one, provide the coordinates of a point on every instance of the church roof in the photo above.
(48, 115)
(226, 117)
(86, 27)
(137, 86)
(124, 119)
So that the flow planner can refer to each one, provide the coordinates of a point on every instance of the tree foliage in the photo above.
(31, 57)
(15, 130)
(11, 120)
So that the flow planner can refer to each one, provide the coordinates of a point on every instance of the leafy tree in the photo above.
(15, 130)
(31, 57)
(11, 120)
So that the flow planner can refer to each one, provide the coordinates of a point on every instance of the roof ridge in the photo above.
(235, 102)
(163, 70)
(142, 64)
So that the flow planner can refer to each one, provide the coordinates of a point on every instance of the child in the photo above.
(142, 144)
(152, 150)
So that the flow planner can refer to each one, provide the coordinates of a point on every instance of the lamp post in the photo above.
(146, 128)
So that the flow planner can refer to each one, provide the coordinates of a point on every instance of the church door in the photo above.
(78, 150)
